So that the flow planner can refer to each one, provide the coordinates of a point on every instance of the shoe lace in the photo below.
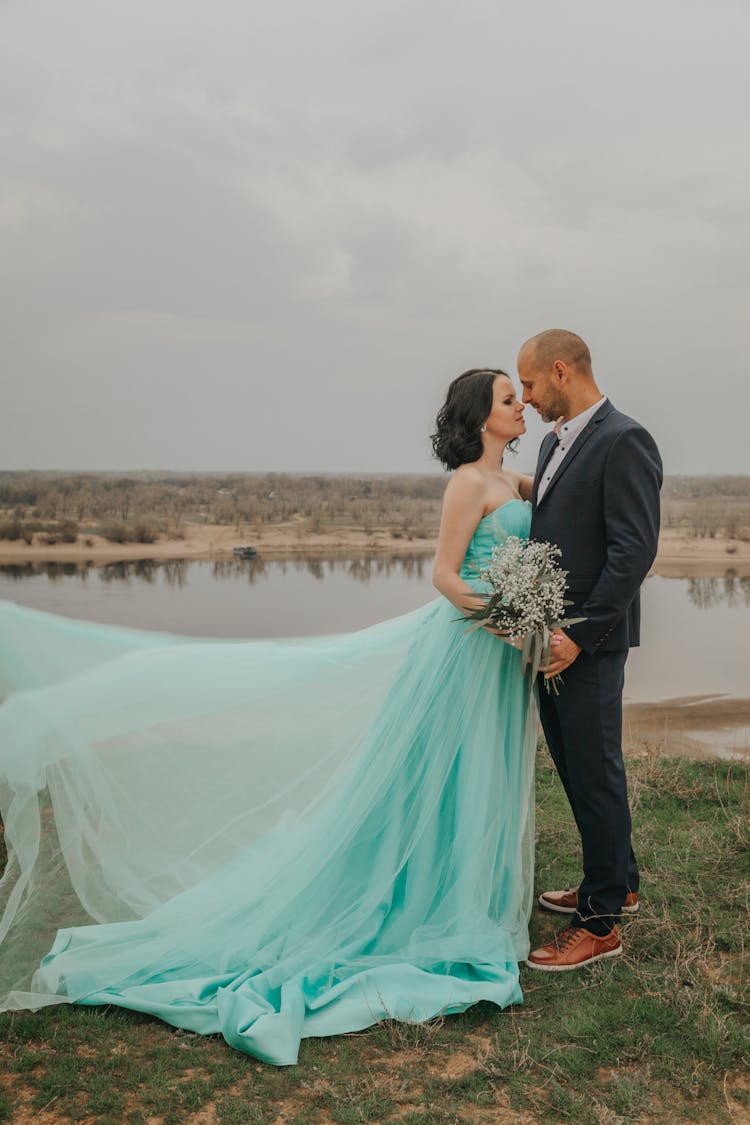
(566, 937)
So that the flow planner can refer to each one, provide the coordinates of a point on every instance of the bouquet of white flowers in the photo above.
(527, 599)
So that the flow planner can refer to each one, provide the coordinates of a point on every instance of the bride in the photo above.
(280, 839)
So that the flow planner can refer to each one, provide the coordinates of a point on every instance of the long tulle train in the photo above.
(277, 839)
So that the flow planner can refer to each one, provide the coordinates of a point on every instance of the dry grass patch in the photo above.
(661, 1034)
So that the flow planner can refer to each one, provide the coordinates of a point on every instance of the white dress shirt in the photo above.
(567, 434)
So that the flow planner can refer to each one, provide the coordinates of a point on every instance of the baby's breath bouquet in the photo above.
(526, 600)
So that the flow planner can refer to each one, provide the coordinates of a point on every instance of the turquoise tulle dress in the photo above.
(267, 839)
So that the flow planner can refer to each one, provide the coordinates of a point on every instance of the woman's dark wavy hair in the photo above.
(458, 439)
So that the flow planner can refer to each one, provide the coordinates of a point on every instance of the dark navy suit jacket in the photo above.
(602, 509)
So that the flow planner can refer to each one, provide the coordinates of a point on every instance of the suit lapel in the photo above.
(570, 457)
(545, 452)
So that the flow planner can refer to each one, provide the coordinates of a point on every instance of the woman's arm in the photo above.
(463, 508)
(524, 485)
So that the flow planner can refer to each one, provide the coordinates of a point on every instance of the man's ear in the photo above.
(560, 372)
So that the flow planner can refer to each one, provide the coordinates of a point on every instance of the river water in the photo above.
(694, 633)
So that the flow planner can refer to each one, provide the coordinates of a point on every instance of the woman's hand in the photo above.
(514, 642)
(517, 642)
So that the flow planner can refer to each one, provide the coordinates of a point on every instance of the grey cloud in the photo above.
(265, 236)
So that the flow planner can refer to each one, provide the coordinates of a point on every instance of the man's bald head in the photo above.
(556, 343)
(555, 372)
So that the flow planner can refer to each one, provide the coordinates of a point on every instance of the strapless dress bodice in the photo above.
(511, 518)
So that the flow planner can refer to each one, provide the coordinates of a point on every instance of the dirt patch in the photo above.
(738, 1110)
(683, 556)
(674, 726)
(207, 1115)
(290, 1109)
(461, 1062)
(25, 1113)
(203, 542)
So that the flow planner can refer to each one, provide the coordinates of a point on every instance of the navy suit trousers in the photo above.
(583, 729)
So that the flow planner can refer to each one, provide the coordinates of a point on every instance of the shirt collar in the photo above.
(571, 429)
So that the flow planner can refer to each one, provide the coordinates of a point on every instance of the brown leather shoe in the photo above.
(573, 948)
(566, 902)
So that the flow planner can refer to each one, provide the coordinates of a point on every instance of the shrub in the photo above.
(68, 531)
(121, 533)
(143, 534)
(14, 529)
(116, 533)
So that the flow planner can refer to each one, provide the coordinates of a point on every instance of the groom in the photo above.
(596, 495)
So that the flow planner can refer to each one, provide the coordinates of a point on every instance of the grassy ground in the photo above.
(662, 1033)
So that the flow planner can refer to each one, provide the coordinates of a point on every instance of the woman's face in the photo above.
(506, 417)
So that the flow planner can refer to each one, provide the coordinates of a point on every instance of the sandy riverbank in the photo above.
(679, 556)
(694, 726)
(216, 541)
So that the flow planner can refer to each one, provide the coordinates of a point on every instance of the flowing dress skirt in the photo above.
(275, 839)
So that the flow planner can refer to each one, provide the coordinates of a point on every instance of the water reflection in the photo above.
(731, 590)
(229, 597)
(703, 593)
(362, 569)
(174, 572)
(144, 569)
(51, 570)
(253, 569)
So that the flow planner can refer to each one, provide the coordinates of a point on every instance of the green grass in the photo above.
(663, 1033)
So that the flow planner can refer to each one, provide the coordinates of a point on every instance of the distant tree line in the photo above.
(141, 506)
(696, 487)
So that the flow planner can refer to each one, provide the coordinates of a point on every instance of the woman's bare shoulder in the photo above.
(467, 482)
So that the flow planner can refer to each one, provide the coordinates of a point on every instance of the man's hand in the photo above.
(563, 651)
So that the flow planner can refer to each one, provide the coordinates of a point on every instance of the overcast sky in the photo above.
(249, 236)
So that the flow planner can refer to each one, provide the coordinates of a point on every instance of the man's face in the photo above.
(539, 388)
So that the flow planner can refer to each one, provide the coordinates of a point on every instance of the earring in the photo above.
(483, 429)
